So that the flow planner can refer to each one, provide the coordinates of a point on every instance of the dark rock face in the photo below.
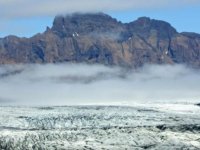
(98, 38)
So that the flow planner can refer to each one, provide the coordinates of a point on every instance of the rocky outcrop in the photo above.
(99, 38)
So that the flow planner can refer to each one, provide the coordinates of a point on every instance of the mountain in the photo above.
(99, 38)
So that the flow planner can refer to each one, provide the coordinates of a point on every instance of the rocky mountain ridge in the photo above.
(99, 38)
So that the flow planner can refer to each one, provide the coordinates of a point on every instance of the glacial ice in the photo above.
(140, 126)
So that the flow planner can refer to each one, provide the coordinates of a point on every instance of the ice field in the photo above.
(139, 126)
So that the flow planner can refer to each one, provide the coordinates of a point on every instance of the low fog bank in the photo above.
(82, 84)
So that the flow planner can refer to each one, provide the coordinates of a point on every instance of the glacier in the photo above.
(137, 126)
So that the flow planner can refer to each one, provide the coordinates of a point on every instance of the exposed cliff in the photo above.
(99, 38)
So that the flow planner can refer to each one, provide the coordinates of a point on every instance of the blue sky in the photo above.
(182, 17)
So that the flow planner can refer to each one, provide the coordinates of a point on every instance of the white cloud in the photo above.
(69, 84)
(27, 8)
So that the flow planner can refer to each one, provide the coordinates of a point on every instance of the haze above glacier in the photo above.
(83, 84)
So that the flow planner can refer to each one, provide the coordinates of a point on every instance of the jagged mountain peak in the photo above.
(145, 25)
(143, 19)
(84, 23)
(147, 21)
(99, 38)
(78, 23)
